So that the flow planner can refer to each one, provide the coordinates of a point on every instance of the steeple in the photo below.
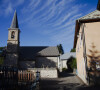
(98, 6)
(14, 23)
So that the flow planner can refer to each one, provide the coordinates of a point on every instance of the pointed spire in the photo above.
(14, 23)
(98, 6)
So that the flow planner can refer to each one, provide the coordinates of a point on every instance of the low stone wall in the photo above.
(46, 72)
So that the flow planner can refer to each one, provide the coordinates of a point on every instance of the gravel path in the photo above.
(70, 82)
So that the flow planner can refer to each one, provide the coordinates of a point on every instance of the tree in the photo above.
(1, 51)
(2, 54)
(60, 48)
(73, 63)
(73, 50)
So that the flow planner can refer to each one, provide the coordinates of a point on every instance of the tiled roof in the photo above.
(93, 15)
(32, 52)
(68, 55)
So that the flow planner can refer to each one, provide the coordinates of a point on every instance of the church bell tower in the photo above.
(13, 43)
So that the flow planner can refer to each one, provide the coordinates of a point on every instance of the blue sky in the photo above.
(44, 22)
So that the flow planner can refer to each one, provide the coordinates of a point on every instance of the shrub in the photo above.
(73, 64)
(64, 69)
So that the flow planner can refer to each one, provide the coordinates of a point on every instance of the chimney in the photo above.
(98, 6)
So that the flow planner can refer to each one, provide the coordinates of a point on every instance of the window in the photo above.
(13, 35)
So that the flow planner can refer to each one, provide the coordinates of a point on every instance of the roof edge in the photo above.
(77, 27)
(87, 15)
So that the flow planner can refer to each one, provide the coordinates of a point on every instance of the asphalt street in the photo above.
(67, 82)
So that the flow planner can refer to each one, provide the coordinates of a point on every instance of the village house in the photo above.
(42, 58)
(86, 42)
(65, 58)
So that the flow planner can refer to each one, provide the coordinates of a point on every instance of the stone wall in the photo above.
(26, 64)
(47, 62)
(46, 72)
(11, 59)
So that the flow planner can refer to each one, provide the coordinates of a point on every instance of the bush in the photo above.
(64, 69)
(73, 50)
(73, 64)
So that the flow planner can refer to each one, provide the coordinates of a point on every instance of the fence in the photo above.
(25, 76)
(8, 78)
(11, 78)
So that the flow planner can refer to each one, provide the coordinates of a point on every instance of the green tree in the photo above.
(73, 50)
(1, 48)
(60, 48)
(73, 63)
(1, 51)
(2, 55)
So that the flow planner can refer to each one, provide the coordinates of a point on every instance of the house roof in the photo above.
(92, 17)
(68, 55)
(14, 23)
(37, 51)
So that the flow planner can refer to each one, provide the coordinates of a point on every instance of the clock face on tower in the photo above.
(12, 34)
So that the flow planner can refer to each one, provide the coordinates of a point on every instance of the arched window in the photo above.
(13, 34)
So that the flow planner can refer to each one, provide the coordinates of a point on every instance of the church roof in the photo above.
(30, 53)
(14, 23)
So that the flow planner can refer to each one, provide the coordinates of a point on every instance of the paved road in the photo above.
(70, 82)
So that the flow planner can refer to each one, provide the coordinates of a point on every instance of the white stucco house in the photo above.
(64, 59)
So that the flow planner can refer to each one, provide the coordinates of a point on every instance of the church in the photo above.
(24, 57)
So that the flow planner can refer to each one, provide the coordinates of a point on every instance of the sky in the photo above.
(44, 22)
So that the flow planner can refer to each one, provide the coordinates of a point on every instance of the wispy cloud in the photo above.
(9, 9)
(53, 19)
(9, 5)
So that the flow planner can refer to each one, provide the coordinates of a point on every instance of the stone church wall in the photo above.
(11, 60)
(46, 62)
(26, 64)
